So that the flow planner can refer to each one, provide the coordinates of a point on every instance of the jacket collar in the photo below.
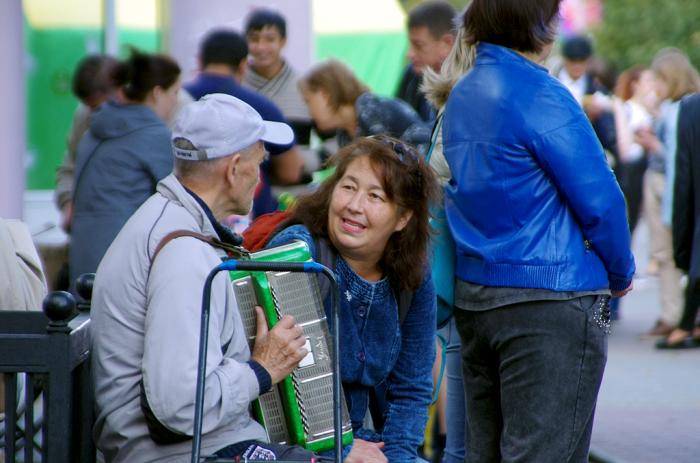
(171, 188)
(489, 53)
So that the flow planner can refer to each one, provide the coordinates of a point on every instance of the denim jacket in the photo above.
(376, 350)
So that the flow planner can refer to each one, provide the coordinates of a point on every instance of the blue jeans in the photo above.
(455, 413)
(532, 372)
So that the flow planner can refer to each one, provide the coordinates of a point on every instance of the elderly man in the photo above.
(147, 298)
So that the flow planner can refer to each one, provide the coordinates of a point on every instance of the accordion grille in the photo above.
(297, 294)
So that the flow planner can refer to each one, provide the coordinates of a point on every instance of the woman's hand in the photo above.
(366, 452)
(648, 140)
(623, 292)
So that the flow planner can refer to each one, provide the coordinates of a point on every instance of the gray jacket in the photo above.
(120, 160)
(146, 329)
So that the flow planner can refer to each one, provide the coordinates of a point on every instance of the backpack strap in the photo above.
(325, 255)
(404, 300)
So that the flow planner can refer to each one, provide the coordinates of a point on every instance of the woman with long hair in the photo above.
(373, 213)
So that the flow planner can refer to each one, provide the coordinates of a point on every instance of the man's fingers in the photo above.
(261, 329)
(286, 322)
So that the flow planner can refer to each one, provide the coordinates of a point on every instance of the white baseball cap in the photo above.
(219, 125)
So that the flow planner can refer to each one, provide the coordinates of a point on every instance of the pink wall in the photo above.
(12, 110)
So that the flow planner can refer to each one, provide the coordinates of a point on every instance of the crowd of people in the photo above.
(535, 169)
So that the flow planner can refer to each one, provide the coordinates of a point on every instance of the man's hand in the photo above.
(280, 349)
(366, 452)
(623, 292)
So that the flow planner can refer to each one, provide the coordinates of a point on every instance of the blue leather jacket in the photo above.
(378, 351)
(532, 202)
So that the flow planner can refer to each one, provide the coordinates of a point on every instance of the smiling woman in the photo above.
(373, 211)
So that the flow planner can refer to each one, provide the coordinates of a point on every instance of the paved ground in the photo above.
(649, 404)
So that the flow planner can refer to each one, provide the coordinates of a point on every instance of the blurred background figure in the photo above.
(576, 75)
(122, 156)
(686, 223)
(270, 74)
(223, 61)
(431, 32)
(634, 106)
(675, 77)
(337, 100)
(93, 84)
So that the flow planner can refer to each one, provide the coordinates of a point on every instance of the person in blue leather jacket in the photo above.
(373, 212)
(542, 242)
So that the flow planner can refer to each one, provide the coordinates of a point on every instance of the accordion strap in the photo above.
(230, 249)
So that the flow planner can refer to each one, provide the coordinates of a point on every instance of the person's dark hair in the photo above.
(407, 181)
(223, 46)
(437, 16)
(142, 72)
(260, 18)
(577, 48)
(336, 80)
(93, 76)
(522, 25)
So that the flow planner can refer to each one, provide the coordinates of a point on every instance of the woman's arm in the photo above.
(572, 157)
(410, 383)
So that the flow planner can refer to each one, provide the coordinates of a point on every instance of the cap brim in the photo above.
(278, 133)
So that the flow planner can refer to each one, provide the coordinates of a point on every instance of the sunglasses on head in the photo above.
(404, 152)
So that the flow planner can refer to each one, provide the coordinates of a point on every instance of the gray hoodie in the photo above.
(121, 158)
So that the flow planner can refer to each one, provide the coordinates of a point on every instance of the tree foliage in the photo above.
(633, 31)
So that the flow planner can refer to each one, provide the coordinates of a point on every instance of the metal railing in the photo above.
(44, 361)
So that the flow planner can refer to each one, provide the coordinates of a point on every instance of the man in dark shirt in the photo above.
(222, 57)
(431, 34)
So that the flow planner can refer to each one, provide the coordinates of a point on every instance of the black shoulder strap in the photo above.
(405, 298)
(326, 255)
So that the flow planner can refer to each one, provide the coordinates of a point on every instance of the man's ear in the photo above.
(448, 40)
(231, 171)
(239, 71)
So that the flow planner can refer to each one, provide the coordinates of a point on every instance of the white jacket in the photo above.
(146, 328)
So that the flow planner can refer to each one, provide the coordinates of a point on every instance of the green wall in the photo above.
(52, 56)
(376, 58)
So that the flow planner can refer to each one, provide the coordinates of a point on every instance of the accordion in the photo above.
(298, 410)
